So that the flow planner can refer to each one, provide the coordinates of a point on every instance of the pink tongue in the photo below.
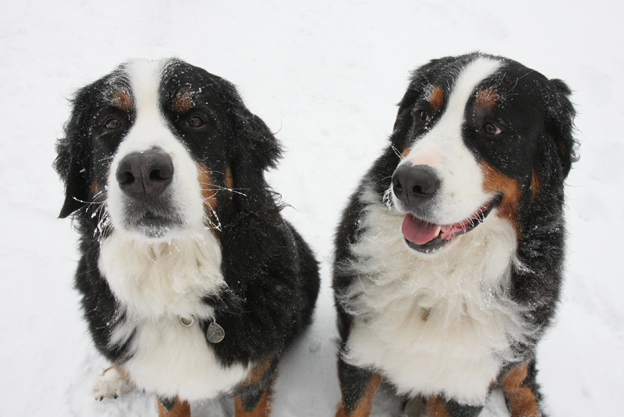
(418, 231)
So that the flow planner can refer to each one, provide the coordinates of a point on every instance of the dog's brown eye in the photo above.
(112, 124)
(423, 115)
(196, 121)
(491, 129)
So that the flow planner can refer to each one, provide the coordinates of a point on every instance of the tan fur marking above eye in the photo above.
(436, 98)
(122, 100)
(183, 102)
(436, 408)
(364, 407)
(487, 98)
(406, 152)
(495, 182)
(521, 400)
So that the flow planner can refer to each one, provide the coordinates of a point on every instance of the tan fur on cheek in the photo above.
(495, 182)
(94, 189)
(535, 185)
(209, 196)
(229, 181)
(207, 186)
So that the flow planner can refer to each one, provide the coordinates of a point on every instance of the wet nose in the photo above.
(414, 185)
(144, 174)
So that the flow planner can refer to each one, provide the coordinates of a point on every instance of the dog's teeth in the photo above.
(437, 233)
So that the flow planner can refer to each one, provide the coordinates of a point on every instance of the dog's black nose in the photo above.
(414, 185)
(144, 174)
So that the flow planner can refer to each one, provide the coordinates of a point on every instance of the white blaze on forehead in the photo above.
(145, 77)
(443, 149)
(449, 126)
(150, 126)
(149, 130)
(471, 76)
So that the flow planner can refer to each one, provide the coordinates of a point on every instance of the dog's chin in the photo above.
(154, 231)
(429, 238)
(155, 228)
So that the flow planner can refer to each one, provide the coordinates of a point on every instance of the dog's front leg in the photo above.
(255, 394)
(173, 407)
(113, 383)
(521, 391)
(244, 404)
(358, 387)
(440, 407)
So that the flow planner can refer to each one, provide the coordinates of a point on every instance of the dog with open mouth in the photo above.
(449, 255)
(192, 283)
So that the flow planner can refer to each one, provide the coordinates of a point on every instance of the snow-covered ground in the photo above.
(324, 75)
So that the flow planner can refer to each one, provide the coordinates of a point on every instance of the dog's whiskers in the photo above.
(387, 198)
(208, 218)
(214, 187)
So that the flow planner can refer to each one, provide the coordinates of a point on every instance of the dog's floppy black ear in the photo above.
(255, 141)
(264, 147)
(404, 119)
(560, 115)
(73, 155)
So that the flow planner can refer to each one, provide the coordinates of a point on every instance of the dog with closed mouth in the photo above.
(192, 283)
(449, 255)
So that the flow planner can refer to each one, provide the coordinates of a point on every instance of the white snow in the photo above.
(324, 75)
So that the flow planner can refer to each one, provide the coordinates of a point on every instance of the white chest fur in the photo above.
(433, 324)
(156, 282)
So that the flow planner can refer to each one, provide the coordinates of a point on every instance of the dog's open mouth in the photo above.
(427, 237)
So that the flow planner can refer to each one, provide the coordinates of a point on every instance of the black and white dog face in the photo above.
(158, 146)
(477, 135)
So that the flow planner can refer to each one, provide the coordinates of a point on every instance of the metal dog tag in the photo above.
(215, 333)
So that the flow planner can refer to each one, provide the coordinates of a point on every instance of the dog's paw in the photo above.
(113, 383)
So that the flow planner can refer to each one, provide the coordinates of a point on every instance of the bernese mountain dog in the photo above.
(449, 256)
(192, 283)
